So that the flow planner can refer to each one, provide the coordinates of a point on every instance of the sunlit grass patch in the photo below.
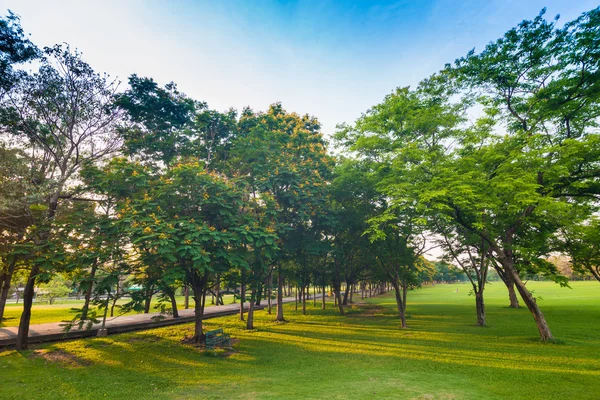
(365, 354)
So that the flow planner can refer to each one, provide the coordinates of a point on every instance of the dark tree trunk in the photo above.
(199, 286)
(479, 304)
(538, 316)
(218, 289)
(346, 291)
(250, 321)
(279, 295)
(400, 303)
(512, 295)
(242, 298)
(269, 291)
(114, 302)
(258, 293)
(5, 286)
(171, 295)
(303, 295)
(404, 293)
(339, 301)
(148, 301)
(88, 292)
(28, 293)
(323, 298)
(296, 294)
(186, 298)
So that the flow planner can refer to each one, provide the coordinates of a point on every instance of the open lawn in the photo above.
(442, 355)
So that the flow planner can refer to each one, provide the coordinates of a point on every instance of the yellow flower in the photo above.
(147, 230)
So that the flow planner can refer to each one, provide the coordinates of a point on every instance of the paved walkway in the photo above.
(54, 331)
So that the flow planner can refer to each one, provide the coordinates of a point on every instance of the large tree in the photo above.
(62, 118)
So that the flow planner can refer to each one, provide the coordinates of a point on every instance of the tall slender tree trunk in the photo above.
(242, 298)
(88, 291)
(280, 287)
(303, 295)
(171, 294)
(148, 302)
(346, 294)
(269, 291)
(5, 286)
(28, 293)
(218, 290)
(250, 321)
(296, 294)
(480, 306)
(258, 294)
(323, 298)
(512, 295)
(400, 304)
(339, 300)
(186, 298)
(114, 302)
(199, 303)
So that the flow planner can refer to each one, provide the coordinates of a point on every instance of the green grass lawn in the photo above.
(442, 355)
(61, 310)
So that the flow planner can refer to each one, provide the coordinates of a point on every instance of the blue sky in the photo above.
(331, 59)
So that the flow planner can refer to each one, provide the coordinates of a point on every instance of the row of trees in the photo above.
(147, 183)
(496, 156)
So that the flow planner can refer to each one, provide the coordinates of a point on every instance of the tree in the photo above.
(56, 288)
(581, 241)
(61, 114)
(15, 48)
(472, 254)
(282, 157)
(543, 82)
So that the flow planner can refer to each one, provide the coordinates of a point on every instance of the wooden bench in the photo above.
(217, 338)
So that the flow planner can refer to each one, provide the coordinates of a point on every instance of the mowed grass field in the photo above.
(364, 354)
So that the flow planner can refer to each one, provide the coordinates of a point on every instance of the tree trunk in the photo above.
(296, 299)
(479, 304)
(218, 289)
(148, 301)
(258, 294)
(279, 295)
(186, 299)
(28, 293)
(88, 292)
(5, 285)
(323, 298)
(303, 295)
(114, 302)
(269, 291)
(250, 321)
(400, 303)
(242, 298)
(512, 295)
(529, 300)
(199, 302)
(171, 295)
(339, 300)
(346, 294)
